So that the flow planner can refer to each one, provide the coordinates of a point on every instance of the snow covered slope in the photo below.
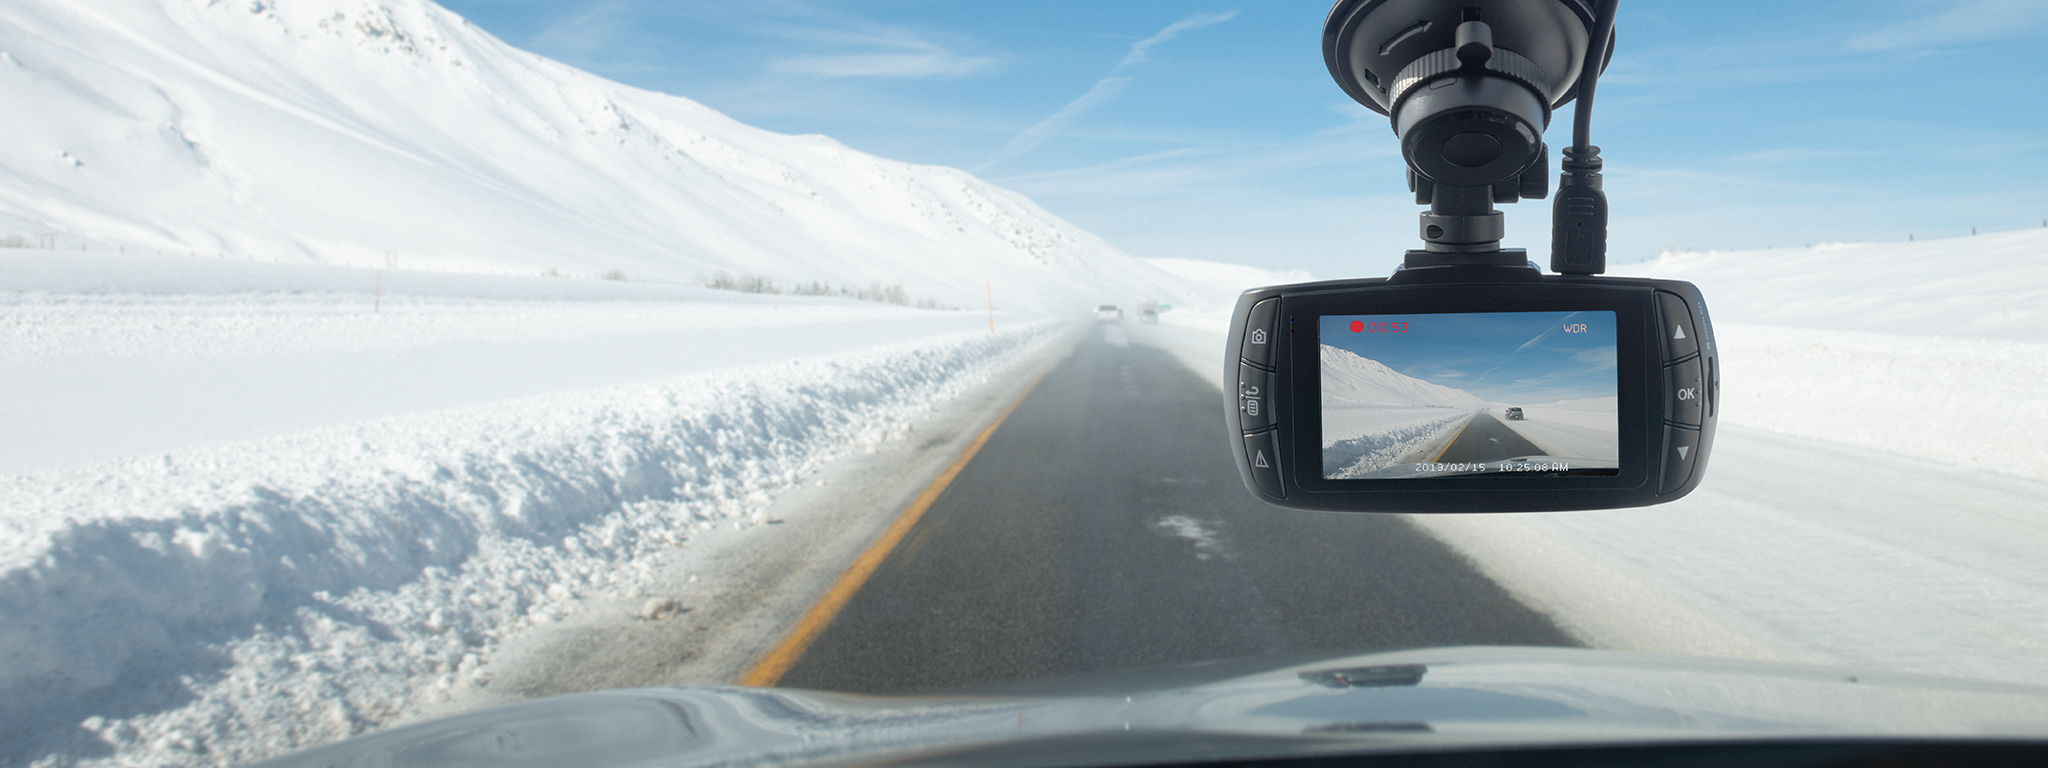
(1934, 350)
(1352, 380)
(1991, 286)
(382, 132)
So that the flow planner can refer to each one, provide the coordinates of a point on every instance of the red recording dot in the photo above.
(1357, 326)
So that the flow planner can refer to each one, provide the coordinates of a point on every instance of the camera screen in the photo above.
(1444, 395)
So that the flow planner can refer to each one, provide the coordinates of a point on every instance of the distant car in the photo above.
(1515, 414)
(1148, 316)
(1108, 313)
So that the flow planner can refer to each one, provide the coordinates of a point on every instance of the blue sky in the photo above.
(1505, 357)
(1212, 130)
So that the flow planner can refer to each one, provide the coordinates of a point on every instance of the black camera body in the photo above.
(1473, 388)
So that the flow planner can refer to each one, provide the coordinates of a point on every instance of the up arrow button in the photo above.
(1680, 339)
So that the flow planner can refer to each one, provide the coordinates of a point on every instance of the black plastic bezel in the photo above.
(1636, 377)
(1640, 386)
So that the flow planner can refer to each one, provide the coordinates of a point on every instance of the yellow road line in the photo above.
(1454, 440)
(776, 663)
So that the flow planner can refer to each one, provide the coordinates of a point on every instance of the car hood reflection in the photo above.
(1234, 709)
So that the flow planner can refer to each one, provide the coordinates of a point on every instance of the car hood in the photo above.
(1263, 707)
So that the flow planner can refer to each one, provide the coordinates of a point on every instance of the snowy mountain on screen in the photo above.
(375, 132)
(1349, 379)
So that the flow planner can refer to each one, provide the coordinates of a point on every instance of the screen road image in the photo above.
(1434, 395)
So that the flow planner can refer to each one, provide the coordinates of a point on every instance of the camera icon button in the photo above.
(1261, 333)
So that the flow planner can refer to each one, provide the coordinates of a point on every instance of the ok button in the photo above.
(1685, 393)
(1254, 398)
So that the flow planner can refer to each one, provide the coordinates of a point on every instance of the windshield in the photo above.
(369, 361)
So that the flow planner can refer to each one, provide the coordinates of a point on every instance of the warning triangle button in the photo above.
(1260, 461)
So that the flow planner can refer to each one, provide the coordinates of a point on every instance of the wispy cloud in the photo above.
(834, 43)
(873, 50)
(1103, 92)
(1598, 359)
(936, 63)
(601, 31)
(1957, 22)
(1142, 50)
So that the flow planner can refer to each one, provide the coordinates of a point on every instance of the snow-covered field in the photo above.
(1581, 429)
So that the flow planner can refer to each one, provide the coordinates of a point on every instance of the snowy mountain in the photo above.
(1349, 379)
(393, 132)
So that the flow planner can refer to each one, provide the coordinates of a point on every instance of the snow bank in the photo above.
(1358, 442)
(197, 606)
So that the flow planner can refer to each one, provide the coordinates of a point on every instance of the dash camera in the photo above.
(1469, 380)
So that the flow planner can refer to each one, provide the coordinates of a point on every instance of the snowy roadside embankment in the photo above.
(217, 595)
(1384, 437)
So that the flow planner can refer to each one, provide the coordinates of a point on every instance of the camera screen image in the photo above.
(1443, 395)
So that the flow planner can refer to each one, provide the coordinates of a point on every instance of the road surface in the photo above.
(1485, 438)
(1103, 526)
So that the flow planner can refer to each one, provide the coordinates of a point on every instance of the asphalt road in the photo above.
(1103, 526)
(1485, 438)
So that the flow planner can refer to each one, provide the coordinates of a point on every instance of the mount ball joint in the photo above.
(1469, 88)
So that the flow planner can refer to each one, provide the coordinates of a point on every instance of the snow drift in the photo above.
(229, 602)
(392, 132)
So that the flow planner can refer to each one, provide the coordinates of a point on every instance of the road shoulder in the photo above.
(742, 589)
